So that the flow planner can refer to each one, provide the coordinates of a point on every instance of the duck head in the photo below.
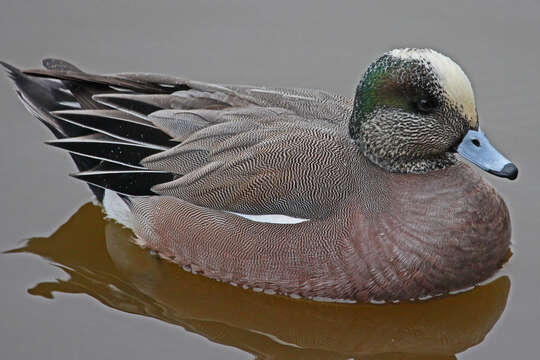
(414, 109)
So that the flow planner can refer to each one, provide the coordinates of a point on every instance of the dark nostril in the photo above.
(475, 142)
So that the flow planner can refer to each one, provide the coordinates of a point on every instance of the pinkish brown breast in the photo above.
(442, 231)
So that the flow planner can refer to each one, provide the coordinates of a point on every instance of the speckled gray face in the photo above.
(412, 109)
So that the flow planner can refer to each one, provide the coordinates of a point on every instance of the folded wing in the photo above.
(236, 148)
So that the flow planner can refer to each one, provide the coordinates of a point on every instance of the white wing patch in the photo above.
(270, 218)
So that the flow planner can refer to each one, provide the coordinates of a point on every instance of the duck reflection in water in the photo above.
(101, 261)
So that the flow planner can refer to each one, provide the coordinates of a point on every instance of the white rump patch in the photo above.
(270, 218)
(452, 78)
(117, 209)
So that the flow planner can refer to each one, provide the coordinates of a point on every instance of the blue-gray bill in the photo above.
(476, 148)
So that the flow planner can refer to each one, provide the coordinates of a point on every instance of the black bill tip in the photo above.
(509, 171)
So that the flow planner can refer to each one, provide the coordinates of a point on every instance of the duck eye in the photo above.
(426, 106)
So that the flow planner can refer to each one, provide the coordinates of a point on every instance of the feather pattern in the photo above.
(193, 131)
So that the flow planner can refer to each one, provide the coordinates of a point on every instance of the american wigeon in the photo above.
(294, 191)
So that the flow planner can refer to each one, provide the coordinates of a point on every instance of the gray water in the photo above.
(82, 298)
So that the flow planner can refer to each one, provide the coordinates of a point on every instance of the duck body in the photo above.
(430, 235)
(279, 189)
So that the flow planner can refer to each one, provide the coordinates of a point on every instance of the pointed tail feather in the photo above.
(42, 96)
(106, 144)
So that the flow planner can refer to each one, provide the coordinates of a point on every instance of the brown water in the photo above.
(91, 294)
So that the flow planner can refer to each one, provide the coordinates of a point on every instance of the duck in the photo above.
(291, 191)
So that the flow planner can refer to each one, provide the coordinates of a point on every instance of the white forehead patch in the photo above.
(452, 78)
